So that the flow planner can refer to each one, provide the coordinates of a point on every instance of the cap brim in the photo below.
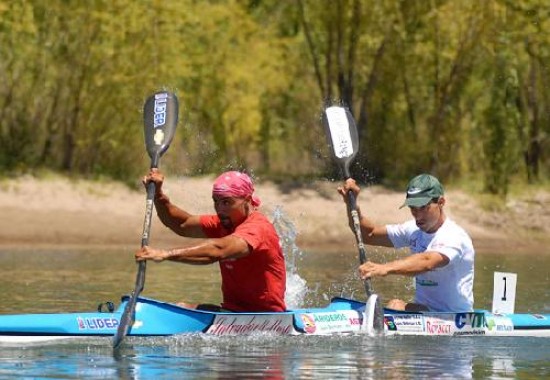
(416, 202)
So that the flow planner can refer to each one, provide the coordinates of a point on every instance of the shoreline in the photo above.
(78, 214)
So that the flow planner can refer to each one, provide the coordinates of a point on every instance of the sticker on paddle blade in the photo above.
(340, 135)
(160, 116)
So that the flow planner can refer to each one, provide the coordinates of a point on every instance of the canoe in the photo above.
(340, 316)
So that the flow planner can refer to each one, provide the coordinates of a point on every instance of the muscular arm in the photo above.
(208, 252)
(371, 233)
(409, 266)
(173, 217)
(177, 219)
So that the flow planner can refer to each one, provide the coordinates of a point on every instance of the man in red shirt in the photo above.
(238, 236)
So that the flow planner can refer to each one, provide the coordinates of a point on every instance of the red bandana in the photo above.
(235, 184)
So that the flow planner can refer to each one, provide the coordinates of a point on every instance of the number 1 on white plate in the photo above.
(504, 292)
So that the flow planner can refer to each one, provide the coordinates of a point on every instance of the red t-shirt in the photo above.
(256, 282)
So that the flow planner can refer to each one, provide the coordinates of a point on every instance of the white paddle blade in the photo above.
(504, 292)
(368, 317)
(340, 135)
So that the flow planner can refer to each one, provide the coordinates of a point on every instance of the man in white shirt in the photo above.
(442, 253)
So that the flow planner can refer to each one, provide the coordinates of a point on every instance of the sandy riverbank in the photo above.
(54, 212)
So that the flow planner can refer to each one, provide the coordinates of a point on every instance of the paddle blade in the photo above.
(342, 135)
(160, 117)
(373, 320)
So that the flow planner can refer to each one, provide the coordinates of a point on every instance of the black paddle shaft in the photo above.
(359, 239)
(160, 118)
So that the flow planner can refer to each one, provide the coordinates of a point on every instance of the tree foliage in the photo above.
(455, 88)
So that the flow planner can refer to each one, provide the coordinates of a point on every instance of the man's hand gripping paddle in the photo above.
(343, 138)
(160, 117)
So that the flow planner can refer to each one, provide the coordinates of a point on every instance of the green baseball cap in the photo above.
(421, 190)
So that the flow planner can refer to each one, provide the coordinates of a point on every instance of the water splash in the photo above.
(296, 288)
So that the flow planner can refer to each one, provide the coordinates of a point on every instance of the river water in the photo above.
(69, 280)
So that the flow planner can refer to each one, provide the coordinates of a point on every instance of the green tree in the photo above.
(438, 86)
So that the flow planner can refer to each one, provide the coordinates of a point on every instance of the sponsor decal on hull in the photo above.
(97, 323)
(454, 323)
(470, 324)
(250, 324)
(497, 323)
(309, 323)
(439, 326)
(404, 323)
(331, 322)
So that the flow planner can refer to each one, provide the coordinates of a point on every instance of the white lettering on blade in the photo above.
(159, 118)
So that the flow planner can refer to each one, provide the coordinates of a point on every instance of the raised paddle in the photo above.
(160, 117)
(343, 138)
